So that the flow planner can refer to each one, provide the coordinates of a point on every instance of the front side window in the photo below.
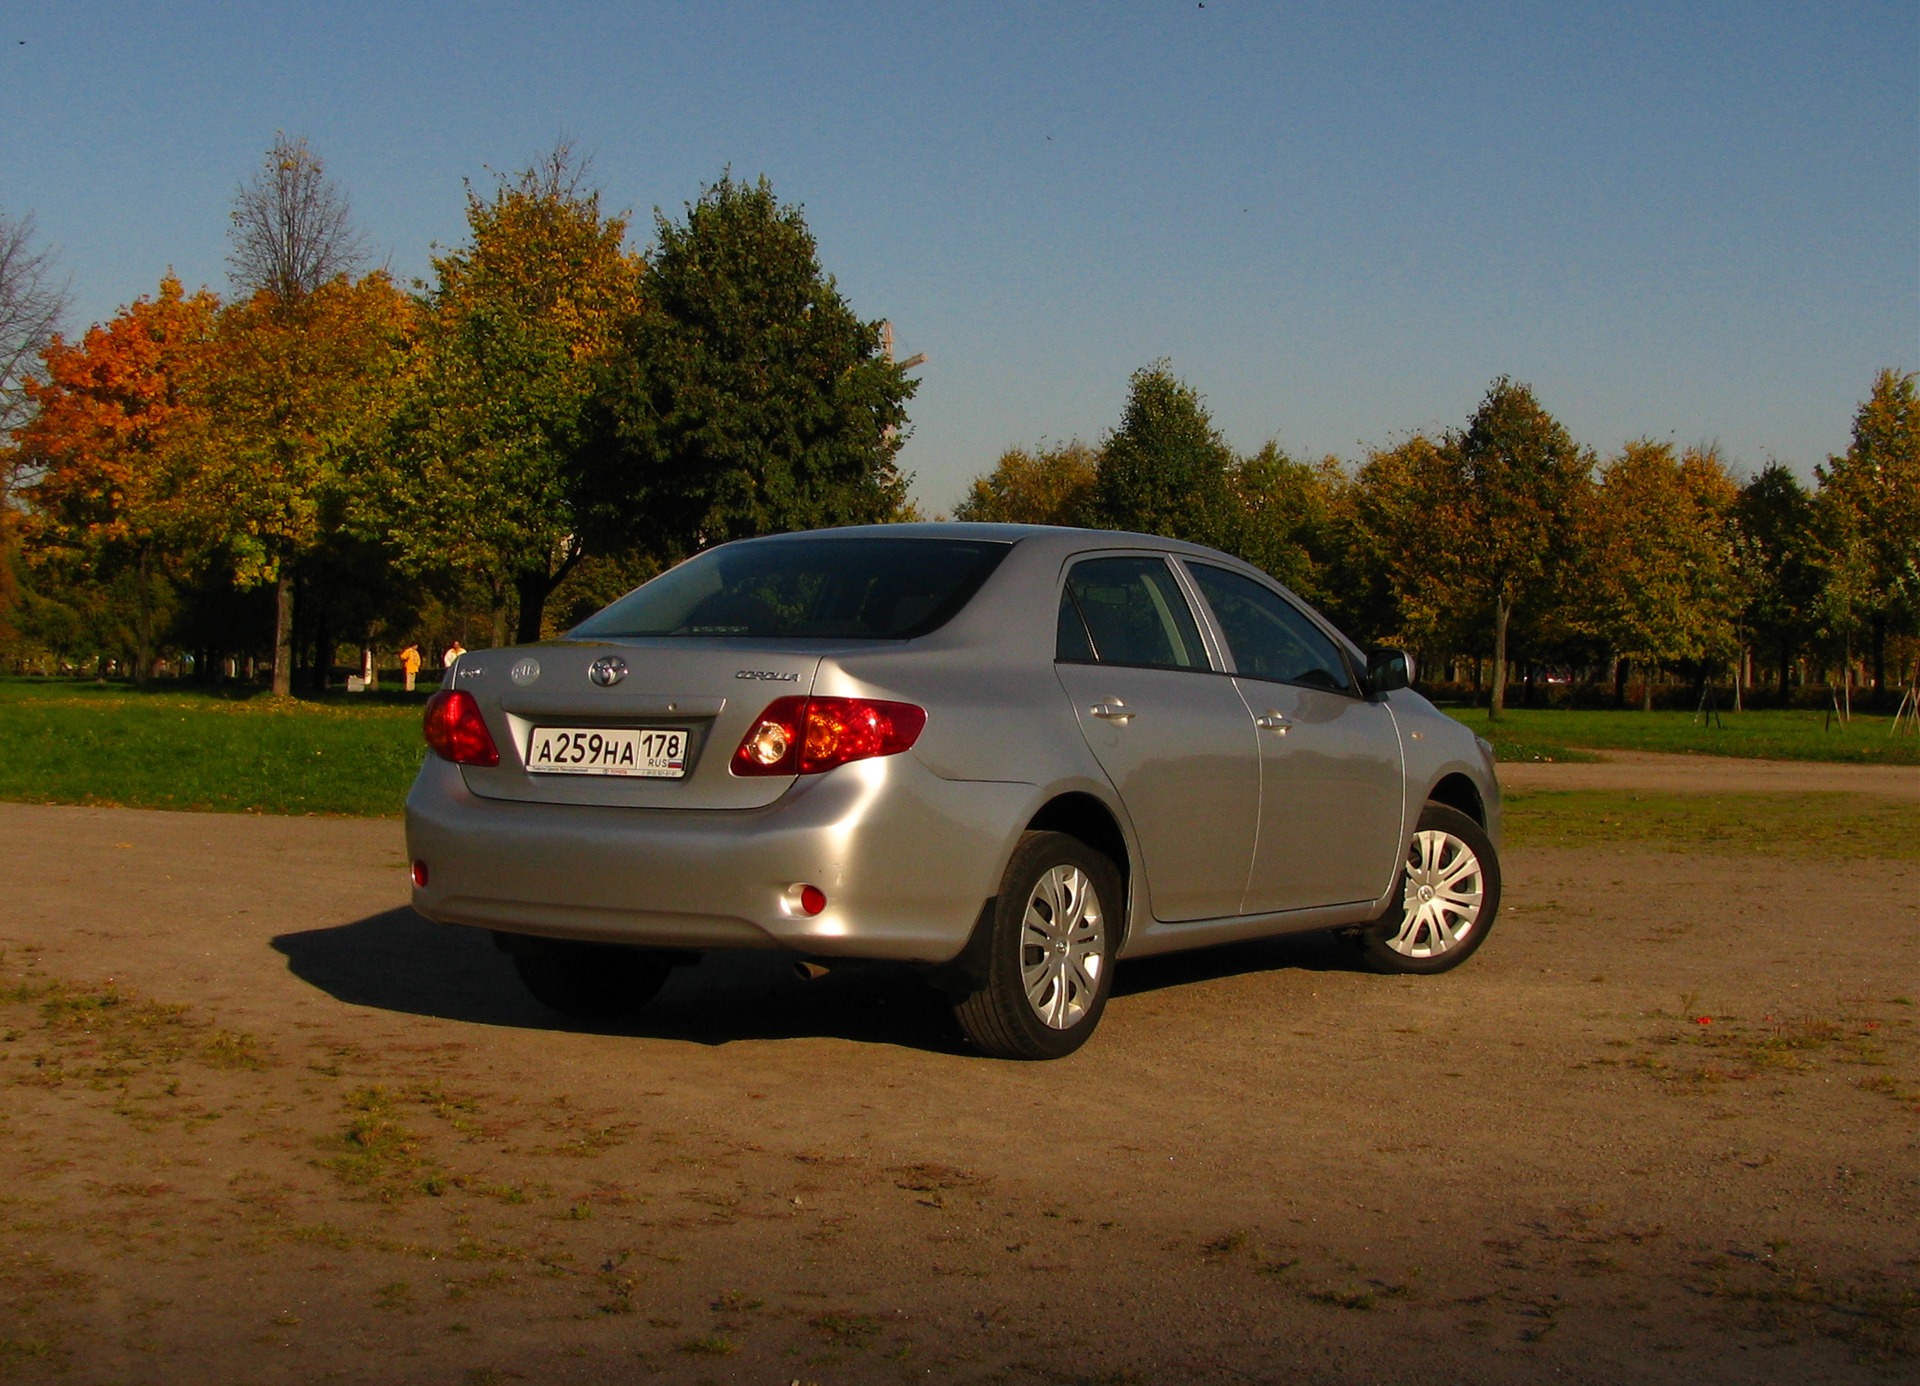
(1130, 611)
(845, 588)
(1267, 636)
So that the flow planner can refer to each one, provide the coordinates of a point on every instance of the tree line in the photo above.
(1504, 545)
(326, 458)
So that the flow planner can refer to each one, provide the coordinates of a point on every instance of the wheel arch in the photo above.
(1079, 814)
(1457, 791)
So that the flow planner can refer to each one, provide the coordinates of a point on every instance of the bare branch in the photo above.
(292, 226)
(32, 302)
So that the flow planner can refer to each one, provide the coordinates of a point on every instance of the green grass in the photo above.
(1816, 825)
(1771, 734)
(70, 741)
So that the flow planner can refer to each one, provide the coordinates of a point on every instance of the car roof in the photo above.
(1064, 538)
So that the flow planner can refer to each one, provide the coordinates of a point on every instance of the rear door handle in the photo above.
(1273, 721)
(1113, 710)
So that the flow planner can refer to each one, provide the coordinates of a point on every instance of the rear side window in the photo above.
(1268, 637)
(866, 588)
(1131, 612)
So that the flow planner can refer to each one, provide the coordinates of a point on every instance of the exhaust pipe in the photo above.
(809, 971)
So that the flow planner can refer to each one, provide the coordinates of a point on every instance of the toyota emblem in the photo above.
(608, 670)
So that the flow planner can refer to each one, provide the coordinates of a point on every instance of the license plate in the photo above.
(644, 752)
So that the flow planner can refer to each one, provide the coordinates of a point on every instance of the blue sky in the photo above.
(1339, 222)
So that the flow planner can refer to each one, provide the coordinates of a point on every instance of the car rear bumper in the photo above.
(905, 859)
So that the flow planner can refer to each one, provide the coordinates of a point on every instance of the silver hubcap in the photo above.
(1063, 946)
(1441, 903)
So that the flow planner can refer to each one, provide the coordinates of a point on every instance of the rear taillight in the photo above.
(456, 730)
(804, 736)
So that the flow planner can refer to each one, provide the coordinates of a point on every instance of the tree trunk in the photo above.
(283, 635)
(1497, 704)
(1646, 686)
(1879, 655)
(1620, 667)
(1786, 674)
(532, 588)
(499, 612)
(143, 624)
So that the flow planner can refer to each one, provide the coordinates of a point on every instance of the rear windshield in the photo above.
(808, 589)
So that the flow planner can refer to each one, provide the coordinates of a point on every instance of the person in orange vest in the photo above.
(410, 664)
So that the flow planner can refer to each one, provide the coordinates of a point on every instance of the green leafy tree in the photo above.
(1657, 580)
(1166, 469)
(746, 397)
(1283, 518)
(1521, 479)
(1872, 493)
(1777, 558)
(1402, 567)
(486, 468)
(1048, 486)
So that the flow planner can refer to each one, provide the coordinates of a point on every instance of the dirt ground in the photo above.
(259, 1122)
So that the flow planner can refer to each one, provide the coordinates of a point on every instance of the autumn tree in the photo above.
(294, 250)
(1403, 566)
(490, 458)
(292, 391)
(112, 449)
(1047, 486)
(1872, 494)
(1777, 558)
(1657, 580)
(747, 397)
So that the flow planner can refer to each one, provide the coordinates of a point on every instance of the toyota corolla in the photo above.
(1014, 755)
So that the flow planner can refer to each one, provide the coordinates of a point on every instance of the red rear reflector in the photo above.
(805, 736)
(419, 875)
(812, 899)
(456, 730)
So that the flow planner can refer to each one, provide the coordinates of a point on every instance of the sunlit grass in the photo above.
(1771, 733)
(76, 742)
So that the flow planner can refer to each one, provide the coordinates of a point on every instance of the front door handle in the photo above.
(1112, 710)
(1273, 721)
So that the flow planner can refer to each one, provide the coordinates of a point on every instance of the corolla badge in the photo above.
(607, 670)
(525, 672)
(767, 676)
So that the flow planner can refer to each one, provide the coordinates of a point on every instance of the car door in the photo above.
(1331, 775)
(1170, 731)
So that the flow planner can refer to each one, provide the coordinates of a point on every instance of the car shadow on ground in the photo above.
(398, 961)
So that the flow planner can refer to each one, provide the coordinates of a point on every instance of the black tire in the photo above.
(589, 981)
(1403, 940)
(1083, 892)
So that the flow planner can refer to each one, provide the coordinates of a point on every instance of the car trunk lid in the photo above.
(709, 690)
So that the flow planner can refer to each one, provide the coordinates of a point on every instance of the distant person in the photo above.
(454, 651)
(410, 664)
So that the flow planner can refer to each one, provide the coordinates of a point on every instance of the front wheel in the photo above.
(1050, 953)
(588, 981)
(1449, 892)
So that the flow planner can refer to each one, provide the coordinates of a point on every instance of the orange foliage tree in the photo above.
(110, 458)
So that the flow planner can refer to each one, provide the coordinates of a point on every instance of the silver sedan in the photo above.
(1014, 755)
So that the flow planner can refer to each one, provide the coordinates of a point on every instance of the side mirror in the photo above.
(1388, 669)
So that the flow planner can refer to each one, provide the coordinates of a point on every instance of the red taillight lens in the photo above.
(456, 730)
(804, 736)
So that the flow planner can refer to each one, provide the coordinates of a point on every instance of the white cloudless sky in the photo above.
(1338, 221)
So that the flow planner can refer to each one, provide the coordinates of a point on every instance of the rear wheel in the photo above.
(1448, 894)
(588, 981)
(1050, 954)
